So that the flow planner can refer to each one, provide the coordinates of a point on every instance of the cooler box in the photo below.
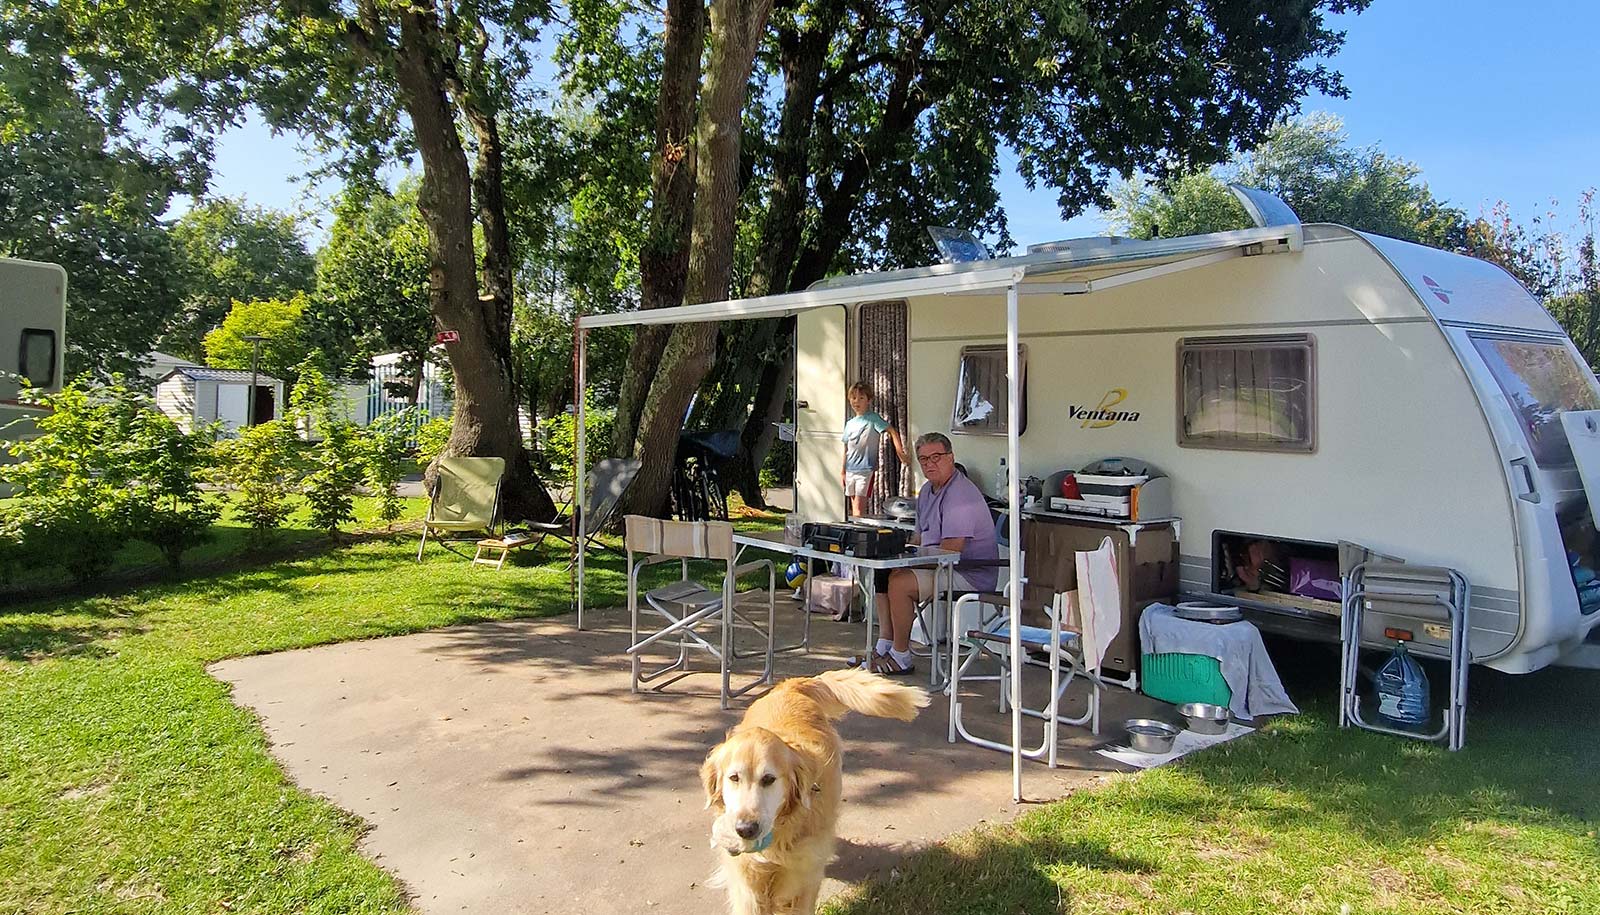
(1180, 678)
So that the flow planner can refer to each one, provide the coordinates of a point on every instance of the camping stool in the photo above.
(687, 604)
(503, 545)
(1399, 596)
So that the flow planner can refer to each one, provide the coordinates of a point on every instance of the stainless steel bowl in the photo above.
(1148, 735)
(1204, 718)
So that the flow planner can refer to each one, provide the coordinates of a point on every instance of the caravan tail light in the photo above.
(1399, 635)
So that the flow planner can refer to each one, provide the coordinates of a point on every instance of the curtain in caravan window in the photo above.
(1247, 393)
(980, 406)
(883, 353)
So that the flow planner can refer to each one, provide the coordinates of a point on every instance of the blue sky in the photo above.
(1493, 100)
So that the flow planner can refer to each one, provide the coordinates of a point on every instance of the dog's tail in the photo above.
(856, 690)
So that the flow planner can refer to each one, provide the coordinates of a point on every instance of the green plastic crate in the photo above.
(1179, 678)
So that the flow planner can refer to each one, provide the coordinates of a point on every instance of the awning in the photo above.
(1063, 268)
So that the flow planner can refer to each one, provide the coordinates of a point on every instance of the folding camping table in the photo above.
(943, 561)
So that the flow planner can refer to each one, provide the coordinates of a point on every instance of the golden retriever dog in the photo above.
(775, 784)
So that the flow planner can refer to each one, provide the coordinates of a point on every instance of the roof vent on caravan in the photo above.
(1266, 209)
(957, 246)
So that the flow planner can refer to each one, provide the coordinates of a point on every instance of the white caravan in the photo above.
(33, 327)
(1299, 385)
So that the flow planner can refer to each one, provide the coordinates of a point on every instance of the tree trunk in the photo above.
(664, 258)
(736, 27)
(485, 397)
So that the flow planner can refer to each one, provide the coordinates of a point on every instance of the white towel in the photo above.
(1099, 601)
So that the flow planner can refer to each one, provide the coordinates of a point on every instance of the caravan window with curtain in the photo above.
(980, 407)
(1247, 392)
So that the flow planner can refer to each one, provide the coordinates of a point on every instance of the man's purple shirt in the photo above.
(958, 510)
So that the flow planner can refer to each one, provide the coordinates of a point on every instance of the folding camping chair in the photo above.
(603, 489)
(465, 498)
(1423, 605)
(933, 614)
(688, 606)
(1066, 650)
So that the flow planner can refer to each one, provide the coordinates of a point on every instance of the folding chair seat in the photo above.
(604, 486)
(464, 498)
(1067, 650)
(695, 617)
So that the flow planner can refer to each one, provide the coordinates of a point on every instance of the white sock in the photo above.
(882, 647)
(903, 658)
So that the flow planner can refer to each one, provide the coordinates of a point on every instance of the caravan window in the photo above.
(37, 357)
(1247, 392)
(980, 407)
(1542, 381)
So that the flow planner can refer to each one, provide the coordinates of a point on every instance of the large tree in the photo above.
(891, 117)
(233, 251)
(373, 81)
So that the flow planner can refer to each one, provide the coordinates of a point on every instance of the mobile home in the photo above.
(1300, 386)
(33, 328)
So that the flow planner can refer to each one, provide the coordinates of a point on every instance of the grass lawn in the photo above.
(1306, 818)
(130, 783)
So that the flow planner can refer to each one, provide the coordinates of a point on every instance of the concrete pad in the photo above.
(505, 767)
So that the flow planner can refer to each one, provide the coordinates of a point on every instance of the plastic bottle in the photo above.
(1403, 695)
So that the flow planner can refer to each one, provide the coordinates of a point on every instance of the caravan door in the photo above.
(1527, 383)
(820, 364)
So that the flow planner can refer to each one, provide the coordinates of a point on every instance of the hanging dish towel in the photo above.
(1099, 601)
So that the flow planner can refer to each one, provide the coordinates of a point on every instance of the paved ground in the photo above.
(506, 768)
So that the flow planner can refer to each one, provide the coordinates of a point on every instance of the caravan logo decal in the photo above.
(1440, 292)
(1104, 415)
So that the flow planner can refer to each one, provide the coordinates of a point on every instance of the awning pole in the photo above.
(1013, 473)
(580, 356)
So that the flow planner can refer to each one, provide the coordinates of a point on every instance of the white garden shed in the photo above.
(194, 395)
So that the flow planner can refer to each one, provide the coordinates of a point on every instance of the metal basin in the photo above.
(1204, 718)
(1148, 735)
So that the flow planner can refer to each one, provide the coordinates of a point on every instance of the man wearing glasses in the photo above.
(952, 513)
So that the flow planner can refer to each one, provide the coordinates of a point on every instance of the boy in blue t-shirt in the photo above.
(862, 434)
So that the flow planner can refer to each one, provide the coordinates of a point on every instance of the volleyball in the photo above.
(794, 575)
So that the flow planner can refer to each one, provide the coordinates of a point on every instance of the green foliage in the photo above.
(1189, 205)
(163, 503)
(74, 195)
(372, 281)
(261, 464)
(70, 477)
(558, 442)
(105, 466)
(1310, 164)
(433, 437)
(334, 461)
(279, 320)
(233, 252)
(336, 470)
(382, 447)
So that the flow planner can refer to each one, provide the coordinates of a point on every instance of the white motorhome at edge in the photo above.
(1432, 424)
(33, 327)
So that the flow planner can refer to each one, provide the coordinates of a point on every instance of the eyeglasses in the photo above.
(927, 460)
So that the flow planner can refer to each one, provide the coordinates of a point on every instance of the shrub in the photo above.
(334, 459)
(558, 442)
(433, 437)
(261, 465)
(383, 449)
(70, 477)
(162, 504)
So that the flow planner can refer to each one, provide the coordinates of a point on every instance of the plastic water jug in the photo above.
(1403, 690)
